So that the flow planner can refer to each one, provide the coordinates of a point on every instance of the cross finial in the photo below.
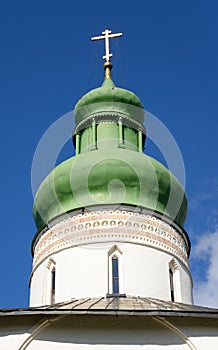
(107, 34)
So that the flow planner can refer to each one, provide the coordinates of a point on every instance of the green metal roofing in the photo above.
(109, 99)
(111, 176)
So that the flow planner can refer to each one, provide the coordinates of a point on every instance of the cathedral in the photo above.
(110, 254)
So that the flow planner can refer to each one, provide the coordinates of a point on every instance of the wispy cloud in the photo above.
(199, 199)
(206, 251)
(209, 191)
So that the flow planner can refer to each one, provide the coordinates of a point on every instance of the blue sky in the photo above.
(168, 56)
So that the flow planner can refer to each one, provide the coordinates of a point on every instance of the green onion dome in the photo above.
(101, 177)
(110, 167)
(109, 99)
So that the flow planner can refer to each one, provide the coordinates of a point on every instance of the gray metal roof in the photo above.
(117, 305)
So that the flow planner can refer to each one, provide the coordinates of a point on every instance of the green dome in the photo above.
(109, 177)
(109, 99)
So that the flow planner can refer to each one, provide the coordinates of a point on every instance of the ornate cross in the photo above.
(107, 34)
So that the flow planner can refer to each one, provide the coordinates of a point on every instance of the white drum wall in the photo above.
(84, 272)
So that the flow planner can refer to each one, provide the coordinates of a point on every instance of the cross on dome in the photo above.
(107, 34)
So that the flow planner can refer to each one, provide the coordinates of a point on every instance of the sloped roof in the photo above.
(117, 305)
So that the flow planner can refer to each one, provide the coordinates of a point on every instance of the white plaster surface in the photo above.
(83, 272)
(108, 333)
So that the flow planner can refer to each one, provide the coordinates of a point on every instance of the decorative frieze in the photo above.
(110, 225)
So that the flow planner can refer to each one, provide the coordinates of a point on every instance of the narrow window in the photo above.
(53, 275)
(115, 275)
(172, 294)
(115, 272)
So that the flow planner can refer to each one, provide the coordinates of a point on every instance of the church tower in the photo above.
(110, 219)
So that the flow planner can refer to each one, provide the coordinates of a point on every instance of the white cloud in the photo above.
(206, 292)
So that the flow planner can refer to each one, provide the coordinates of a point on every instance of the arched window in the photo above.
(174, 281)
(115, 274)
(53, 276)
(115, 271)
(50, 282)
(172, 293)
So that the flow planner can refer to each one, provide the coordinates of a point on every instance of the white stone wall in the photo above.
(80, 249)
(37, 290)
(84, 272)
(107, 333)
